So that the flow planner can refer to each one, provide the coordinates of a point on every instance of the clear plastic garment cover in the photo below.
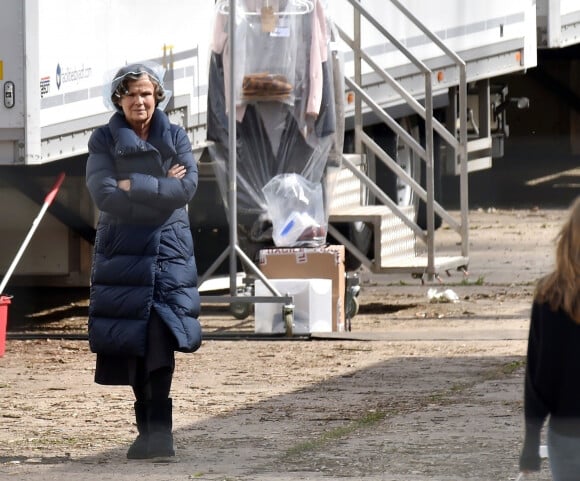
(288, 91)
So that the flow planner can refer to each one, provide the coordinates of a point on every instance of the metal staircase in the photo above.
(400, 244)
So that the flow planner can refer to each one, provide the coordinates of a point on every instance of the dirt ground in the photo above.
(417, 391)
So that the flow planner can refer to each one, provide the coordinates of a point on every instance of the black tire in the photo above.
(361, 235)
(400, 192)
(241, 310)
(437, 182)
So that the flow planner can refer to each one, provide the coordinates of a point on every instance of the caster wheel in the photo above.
(288, 315)
(352, 307)
(240, 310)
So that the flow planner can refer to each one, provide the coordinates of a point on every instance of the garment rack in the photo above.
(233, 251)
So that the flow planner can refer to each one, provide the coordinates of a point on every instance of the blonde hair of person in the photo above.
(561, 288)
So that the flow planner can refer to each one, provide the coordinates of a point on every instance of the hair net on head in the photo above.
(115, 79)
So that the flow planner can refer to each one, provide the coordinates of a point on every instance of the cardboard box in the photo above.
(312, 306)
(326, 262)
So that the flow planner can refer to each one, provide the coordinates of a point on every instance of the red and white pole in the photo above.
(47, 201)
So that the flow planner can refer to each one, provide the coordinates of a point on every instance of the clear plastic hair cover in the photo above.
(114, 78)
(288, 95)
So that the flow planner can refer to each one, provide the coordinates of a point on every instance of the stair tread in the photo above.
(420, 261)
(418, 264)
(361, 212)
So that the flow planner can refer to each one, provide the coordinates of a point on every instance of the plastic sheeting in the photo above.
(289, 118)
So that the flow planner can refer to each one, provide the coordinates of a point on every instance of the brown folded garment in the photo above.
(263, 84)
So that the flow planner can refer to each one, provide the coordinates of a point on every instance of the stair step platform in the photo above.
(418, 265)
(395, 248)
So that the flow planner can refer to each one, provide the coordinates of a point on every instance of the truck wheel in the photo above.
(396, 188)
(361, 235)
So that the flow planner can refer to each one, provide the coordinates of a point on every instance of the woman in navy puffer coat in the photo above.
(144, 302)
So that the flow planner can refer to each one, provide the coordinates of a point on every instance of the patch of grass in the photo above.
(509, 368)
(457, 388)
(480, 281)
(443, 397)
(368, 420)
(373, 418)
(200, 475)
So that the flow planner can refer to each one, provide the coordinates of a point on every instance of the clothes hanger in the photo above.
(294, 7)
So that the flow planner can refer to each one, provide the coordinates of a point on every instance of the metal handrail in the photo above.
(411, 101)
(373, 21)
(426, 112)
(386, 118)
(462, 154)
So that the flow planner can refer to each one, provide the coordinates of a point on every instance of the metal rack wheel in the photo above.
(352, 307)
(240, 310)
(352, 302)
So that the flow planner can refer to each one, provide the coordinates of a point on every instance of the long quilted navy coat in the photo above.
(143, 255)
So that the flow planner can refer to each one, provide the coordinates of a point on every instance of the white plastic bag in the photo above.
(446, 296)
(296, 207)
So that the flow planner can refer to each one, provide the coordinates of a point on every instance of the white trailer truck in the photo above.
(420, 103)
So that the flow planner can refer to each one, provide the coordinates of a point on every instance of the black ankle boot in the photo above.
(140, 447)
(160, 427)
